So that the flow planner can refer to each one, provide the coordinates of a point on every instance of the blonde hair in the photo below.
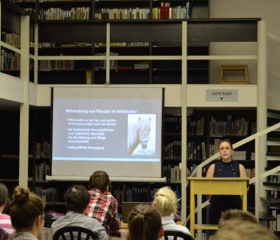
(165, 201)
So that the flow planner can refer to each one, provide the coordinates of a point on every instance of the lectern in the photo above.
(214, 186)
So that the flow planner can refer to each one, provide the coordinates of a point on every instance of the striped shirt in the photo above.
(6, 224)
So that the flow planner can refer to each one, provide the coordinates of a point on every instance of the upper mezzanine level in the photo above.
(177, 52)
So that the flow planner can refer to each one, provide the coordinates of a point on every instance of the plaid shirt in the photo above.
(104, 208)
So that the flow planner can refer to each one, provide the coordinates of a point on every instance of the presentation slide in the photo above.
(118, 130)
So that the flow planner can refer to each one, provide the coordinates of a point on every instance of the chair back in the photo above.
(176, 235)
(74, 233)
(3, 234)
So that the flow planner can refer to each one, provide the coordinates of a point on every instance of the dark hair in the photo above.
(99, 180)
(25, 207)
(76, 198)
(144, 222)
(4, 194)
(226, 140)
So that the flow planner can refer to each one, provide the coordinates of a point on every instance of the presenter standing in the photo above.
(102, 205)
(225, 167)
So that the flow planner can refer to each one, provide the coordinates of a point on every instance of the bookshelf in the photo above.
(10, 149)
(271, 200)
(71, 38)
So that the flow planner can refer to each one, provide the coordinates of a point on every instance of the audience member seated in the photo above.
(103, 206)
(5, 220)
(27, 214)
(144, 223)
(165, 201)
(236, 214)
(76, 200)
(243, 230)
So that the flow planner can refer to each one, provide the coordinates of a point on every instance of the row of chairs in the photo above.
(76, 233)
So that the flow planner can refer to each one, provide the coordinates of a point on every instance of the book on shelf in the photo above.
(278, 222)
(239, 155)
(124, 67)
(88, 77)
(141, 65)
(189, 7)
(203, 150)
(68, 45)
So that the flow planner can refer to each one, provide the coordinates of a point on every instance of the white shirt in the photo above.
(169, 224)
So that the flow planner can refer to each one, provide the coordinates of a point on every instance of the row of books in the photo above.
(274, 194)
(193, 167)
(196, 150)
(88, 44)
(75, 13)
(141, 65)
(101, 64)
(12, 39)
(275, 225)
(47, 65)
(196, 127)
(273, 149)
(172, 173)
(274, 178)
(83, 13)
(130, 194)
(167, 12)
(229, 127)
(172, 125)
(172, 150)
(42, 170)
(47, 194)
(122, 14)
(43, 149)
(126, 193)
(9, 60)
(123, 44)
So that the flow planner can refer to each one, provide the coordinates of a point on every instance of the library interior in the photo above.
(151, 92)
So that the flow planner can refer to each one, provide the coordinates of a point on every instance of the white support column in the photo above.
(184, 123)
(108, 39)
(36, 52)
(260, 163)
(24, 107)
(0, 28)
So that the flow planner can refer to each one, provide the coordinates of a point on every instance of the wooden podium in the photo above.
(214, 186)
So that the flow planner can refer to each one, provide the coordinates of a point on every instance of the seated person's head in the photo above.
(236, 214)
(4, 196)
(144, 223)
(99, 180)
(165, 201)
(243, 230)
(77, 198)
(27, 211)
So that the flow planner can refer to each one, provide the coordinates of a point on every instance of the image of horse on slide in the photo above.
(139, 133)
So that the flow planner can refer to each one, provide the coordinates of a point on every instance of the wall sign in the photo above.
(220, 95)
